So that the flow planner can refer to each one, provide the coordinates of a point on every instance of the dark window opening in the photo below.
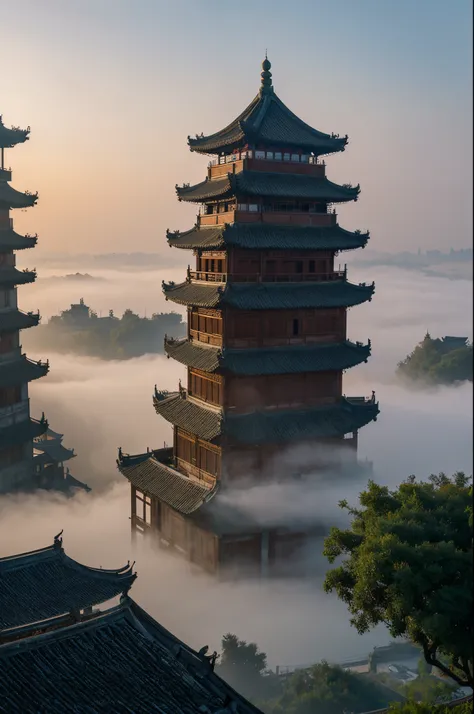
(299, 266)
(312, 266)
(296, 327)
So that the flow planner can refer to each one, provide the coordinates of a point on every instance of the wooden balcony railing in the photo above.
(294, 218)
(267, 277)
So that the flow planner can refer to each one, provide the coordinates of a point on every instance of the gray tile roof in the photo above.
(155, 478)
(320, 357)
(11, 198)
(12, 320)
(267, 120)
(46, 583)
(268, 184)
(264, 236)
(119, 661)
(189, 415)
(270, 296)
(13, 276)
(21, 370)
(9, 240)
(268, 426)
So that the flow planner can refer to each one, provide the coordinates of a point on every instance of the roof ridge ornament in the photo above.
(266, 76)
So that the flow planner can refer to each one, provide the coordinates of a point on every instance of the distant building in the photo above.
(19, 469)
(60, 653)
(267, 338)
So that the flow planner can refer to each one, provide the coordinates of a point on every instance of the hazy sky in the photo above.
(112, 88)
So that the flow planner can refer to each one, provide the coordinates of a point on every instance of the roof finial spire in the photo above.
(266, 76)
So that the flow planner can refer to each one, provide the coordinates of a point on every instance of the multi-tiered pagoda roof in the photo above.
(264, 184)
(263, 236)
(269, 296)
(320, 357)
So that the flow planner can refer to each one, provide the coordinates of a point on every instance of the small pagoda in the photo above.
(18, 430)
(267, 325)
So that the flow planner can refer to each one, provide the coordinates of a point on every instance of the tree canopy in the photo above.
(420, 708)
(435, 361)
(407, 562)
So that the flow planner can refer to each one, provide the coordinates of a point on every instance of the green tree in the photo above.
(326, 689)
(420, 708)
(407, 562)
(244, 666)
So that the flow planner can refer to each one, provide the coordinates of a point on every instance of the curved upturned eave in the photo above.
(267, 184)
(21, 371)
(10, 240)
(21, 432)
(262, 236)
(11, 137)
(295, 359)
(256, 126)
(13, 276)
(11, 198)
(12, 320)
(270, 296)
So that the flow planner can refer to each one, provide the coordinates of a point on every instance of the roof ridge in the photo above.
(21, 559)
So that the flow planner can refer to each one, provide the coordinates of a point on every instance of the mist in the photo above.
(100, 406)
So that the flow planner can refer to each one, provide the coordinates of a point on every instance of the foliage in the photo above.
(423, 708)
(109, 337)
(328, 690)
(408, 564)
(435, 361)
(427, 688)
(245, 668)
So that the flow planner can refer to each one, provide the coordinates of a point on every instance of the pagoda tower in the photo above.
(18, 468)
(267, 331)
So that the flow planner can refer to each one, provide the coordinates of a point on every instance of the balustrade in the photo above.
(267, 277)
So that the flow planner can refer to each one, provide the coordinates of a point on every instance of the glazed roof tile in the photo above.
(268, 184)
(9, 240)
(155, 478)
(267, 121)
(321, 357)
(122, 661)
(261, 236)
(271, 426)
(12, 320)
(46, 583)
(21, 432)
(11, 198)
(21, 370)
(270, 296)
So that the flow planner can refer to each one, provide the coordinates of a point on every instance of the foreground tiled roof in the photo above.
(270, 296)
(9, 240)
(12, 198)
(45, 583)
(267, 120)
(119, 661)
(294, 359)
(270, 426)
(21, 370)
(12, 320)
(21, 432)
(263, 236)
(275, 185)
(155, 478)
